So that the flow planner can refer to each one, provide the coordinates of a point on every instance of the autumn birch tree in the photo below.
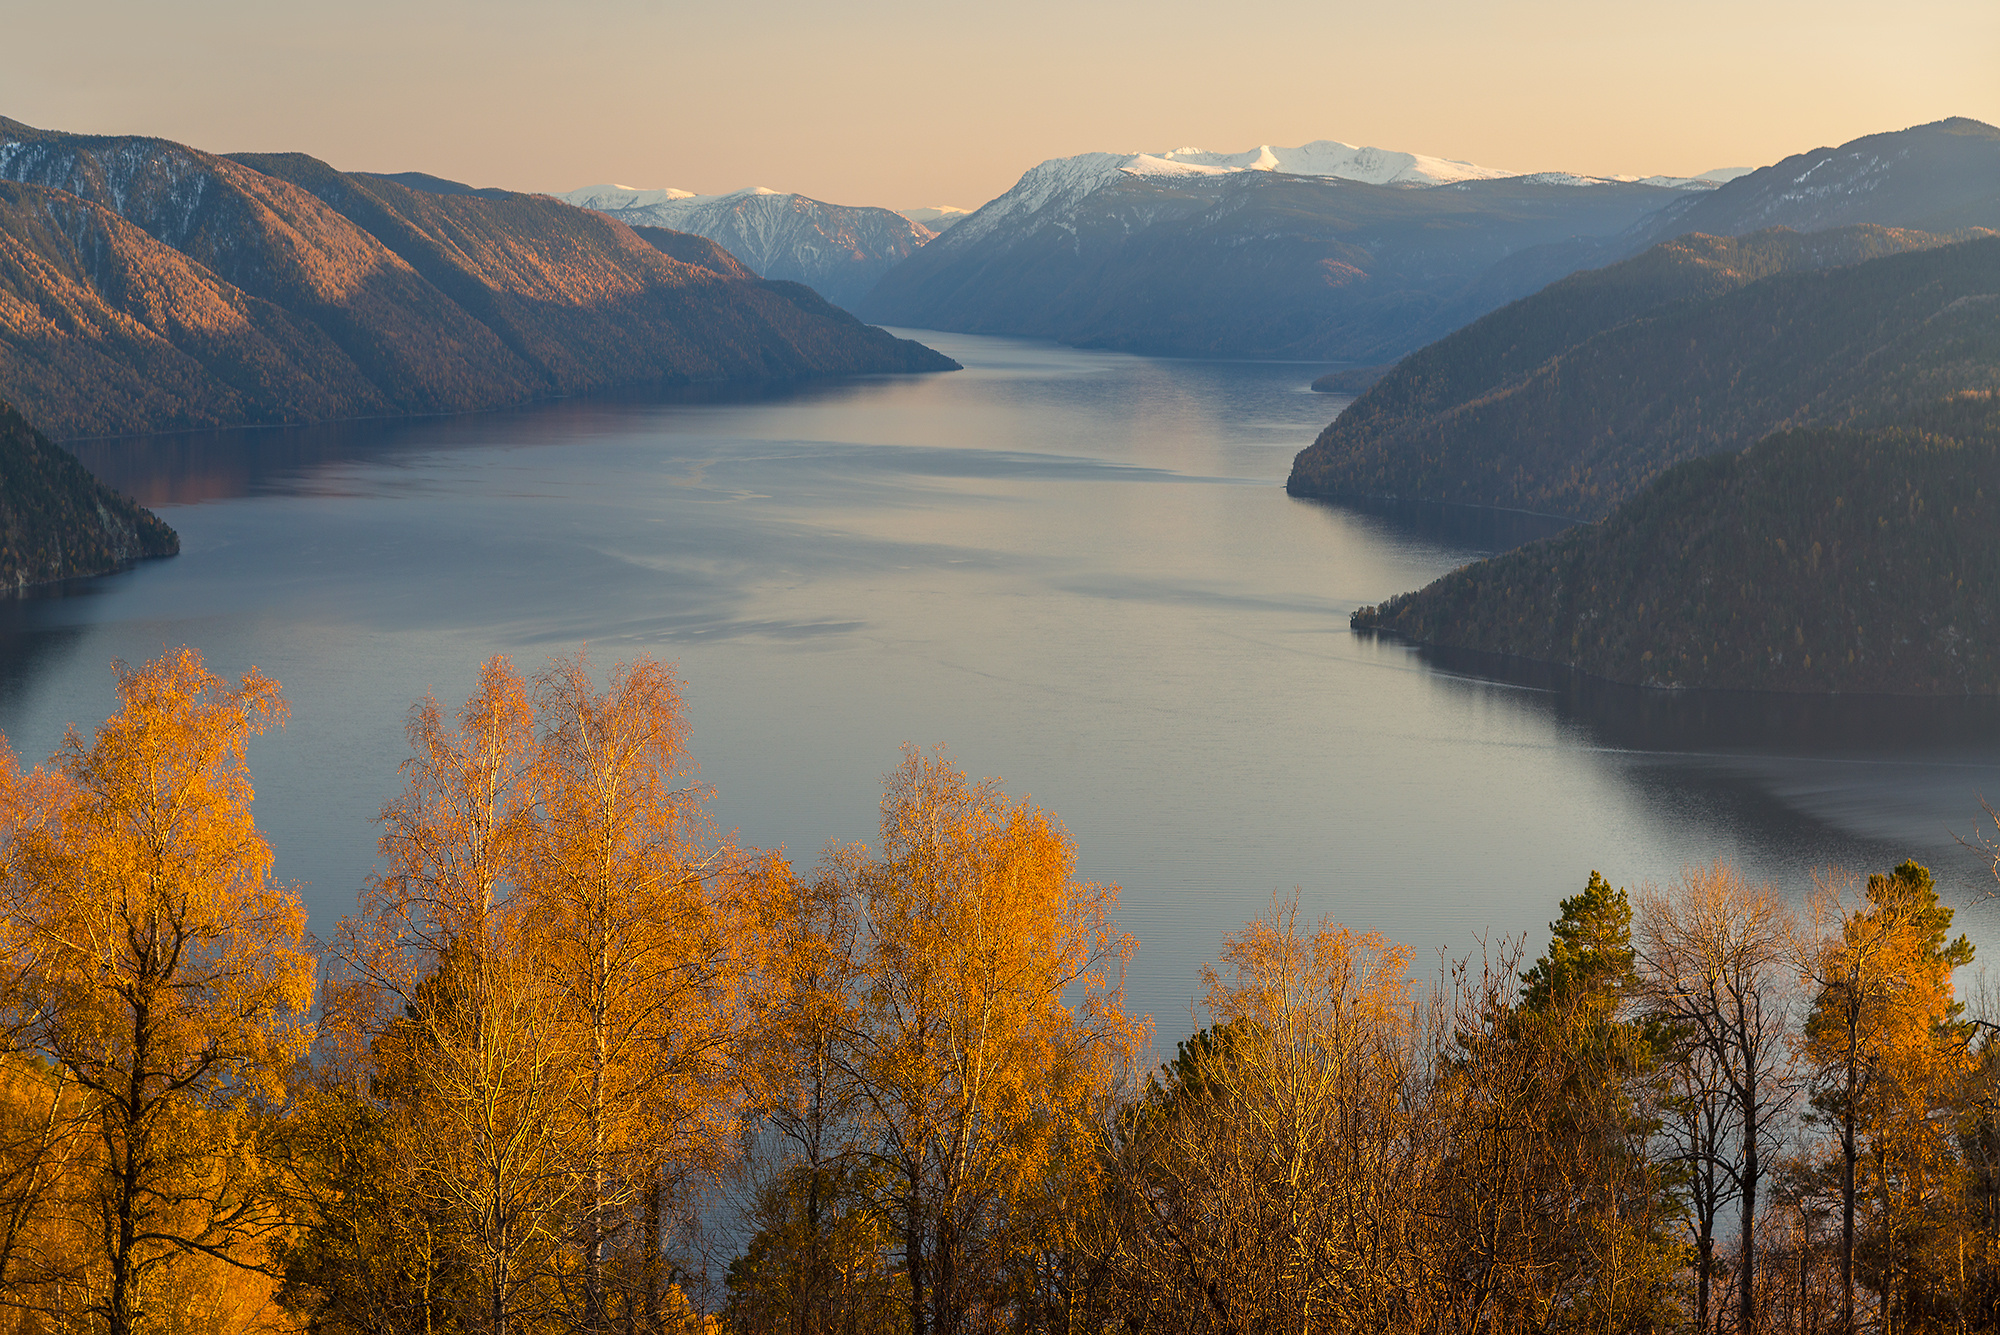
(993, 994)
(468, 1034)
(166, 979)
(630, 916)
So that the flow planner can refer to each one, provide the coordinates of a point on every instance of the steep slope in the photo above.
(1235, 263)
(145, 286)
(104, 330)
(1939, 177)
(1943, 177)
(1852, 561)
(691, 249)
(59, 522)
(1568, 401)
(836, 250)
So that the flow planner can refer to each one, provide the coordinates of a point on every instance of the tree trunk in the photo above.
(913, 1254)
(1746, 1292)
(1847, 1157)
(124, 1140)
(652, 1255)
(593, 1255)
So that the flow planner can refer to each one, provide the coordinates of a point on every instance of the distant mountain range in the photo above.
(148, 286)
(1942, 177)
(1569, 401)
(836, 250)
(1098, 252)
(1321, 251)
(937, 217)
(1326, 251)
(842, 252)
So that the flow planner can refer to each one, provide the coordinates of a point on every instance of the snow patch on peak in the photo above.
(621, 197)
(1146, 164)
(936, 217)
(1059, 182)
(1329, 157)
(607, 198)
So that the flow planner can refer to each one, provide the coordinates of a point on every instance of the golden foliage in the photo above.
(160, 986)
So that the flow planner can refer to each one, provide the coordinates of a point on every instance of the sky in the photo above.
(905, 103)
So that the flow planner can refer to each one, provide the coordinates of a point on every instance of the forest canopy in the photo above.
(579, 1062)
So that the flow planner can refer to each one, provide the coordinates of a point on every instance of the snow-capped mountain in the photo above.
(607, 198)
(1063, 182)
(1319, 250)
(1360, 254)
(937, 217)
(1322, 157)
(837, 250)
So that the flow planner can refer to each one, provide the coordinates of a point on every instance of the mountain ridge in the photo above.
(1568, 401)
(146, 285)
(839, 251)
(1262, 264)
(1104, 250)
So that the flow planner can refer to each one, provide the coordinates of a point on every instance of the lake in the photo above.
(1078, 570)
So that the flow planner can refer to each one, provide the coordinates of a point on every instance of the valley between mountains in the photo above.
(1765, 394)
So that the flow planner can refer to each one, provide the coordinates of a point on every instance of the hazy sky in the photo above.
(910, 102)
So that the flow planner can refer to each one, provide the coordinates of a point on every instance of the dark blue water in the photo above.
(1079, 570)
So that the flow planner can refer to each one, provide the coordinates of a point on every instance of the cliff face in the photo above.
(57, 521)
(146, 286)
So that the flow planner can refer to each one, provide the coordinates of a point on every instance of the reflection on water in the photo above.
(1078, 569)
(1472, 527)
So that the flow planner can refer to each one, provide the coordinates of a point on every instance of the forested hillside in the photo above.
(59, 522)
(581, 1064)
(147, 286)
(1568, 401)
(1851, 560)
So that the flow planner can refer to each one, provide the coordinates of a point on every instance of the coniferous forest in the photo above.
(576, 1062)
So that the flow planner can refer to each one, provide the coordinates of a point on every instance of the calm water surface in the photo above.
(1077, 569)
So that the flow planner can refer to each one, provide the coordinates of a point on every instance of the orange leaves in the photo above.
(161, 974)
(455, 838)
(1282, 976)
(553, 954)
(157, 923)
(986, 1032)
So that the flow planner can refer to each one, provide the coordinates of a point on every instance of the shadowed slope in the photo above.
(57, 521)
(1863, 561)
(1568, 401)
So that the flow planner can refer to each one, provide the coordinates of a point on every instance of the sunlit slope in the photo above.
(57, 521)
(147, 285)
(1818, 560)
(1569, 401)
